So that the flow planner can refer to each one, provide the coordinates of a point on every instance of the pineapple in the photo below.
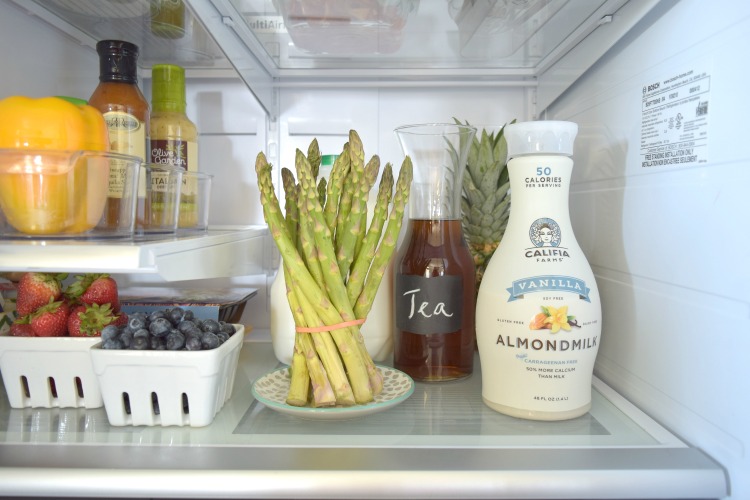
(485, 204)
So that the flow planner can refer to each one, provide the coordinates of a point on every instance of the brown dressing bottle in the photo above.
(126, 112)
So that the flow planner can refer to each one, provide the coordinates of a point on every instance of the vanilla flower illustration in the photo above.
(558, 318)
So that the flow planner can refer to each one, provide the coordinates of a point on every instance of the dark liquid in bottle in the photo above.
(435, 248)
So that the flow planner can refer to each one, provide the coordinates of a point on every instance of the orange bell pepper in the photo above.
(45, 173)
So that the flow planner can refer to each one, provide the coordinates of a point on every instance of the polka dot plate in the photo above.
(271, 390)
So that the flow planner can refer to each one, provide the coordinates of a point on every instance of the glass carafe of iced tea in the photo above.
(434, 295)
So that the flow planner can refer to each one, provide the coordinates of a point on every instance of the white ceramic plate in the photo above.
(271, 390)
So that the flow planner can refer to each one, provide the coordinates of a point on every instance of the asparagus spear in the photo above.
(308, 248)
(356, 171)
(388, 244)
(313, 157)
(290, 202)
(354, 225)
(322, 187)
(339, 173)
(299, 380)
(362, 263)
(306, 367)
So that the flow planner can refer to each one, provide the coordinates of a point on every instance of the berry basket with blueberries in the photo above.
(166, 368)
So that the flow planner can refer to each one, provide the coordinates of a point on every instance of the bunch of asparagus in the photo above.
(333, 265)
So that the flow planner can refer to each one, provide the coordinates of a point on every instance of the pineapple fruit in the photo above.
(485, 203)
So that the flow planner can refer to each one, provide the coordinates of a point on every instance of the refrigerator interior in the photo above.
(669, 258)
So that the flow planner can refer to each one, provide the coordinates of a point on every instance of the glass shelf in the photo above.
(221, 252)
(442, 439)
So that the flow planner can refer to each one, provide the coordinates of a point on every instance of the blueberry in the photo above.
(126, 338)
(193, 343)
(156, 314)
(110, 332)
(223, 337)
(211, 325)
(141, 332)
(175, 315)
(136, 322)
(189, 315)
(175, 340)
(185, 325)
(140, 343)
(160, 327)
(158, 343)
(209, 340)
(227, 328)
(112, 344)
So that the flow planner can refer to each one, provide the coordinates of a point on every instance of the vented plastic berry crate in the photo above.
(49, 372)
(163, 388)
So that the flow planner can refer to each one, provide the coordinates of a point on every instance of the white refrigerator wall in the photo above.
(668, 243)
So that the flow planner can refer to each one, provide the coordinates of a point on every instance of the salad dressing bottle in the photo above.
(174, 138)
(538, 315)
(126, 113)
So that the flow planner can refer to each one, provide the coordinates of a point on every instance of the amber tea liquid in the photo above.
(434, 302)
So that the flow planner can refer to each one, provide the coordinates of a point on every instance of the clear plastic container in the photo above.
(159, 205)
(195, 201)
(49, 193)
(335, 27)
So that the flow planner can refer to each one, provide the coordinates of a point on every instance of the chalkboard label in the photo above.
(429, 305)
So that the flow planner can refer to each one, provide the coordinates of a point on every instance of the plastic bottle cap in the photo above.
(168, 88)
(540, 137)
(117, 61)
(328, 160)
(326, 165)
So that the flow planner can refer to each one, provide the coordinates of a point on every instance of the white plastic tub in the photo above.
(163, 388)
(49, 372)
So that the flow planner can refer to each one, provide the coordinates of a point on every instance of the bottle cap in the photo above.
(168, 88)
(117, 61)
(326, 165)
(540, 137)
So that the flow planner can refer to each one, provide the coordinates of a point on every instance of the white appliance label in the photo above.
(674, 120)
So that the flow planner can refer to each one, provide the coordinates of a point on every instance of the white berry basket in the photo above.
(163, 388)
(49, 372)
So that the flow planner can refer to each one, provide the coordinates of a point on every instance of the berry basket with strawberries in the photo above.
(52, 368)
(44, 359)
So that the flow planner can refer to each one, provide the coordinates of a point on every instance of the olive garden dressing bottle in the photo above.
(174, 138)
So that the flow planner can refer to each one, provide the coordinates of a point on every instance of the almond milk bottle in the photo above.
(538, 316)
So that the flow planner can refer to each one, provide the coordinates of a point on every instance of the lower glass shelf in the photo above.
(441, 442)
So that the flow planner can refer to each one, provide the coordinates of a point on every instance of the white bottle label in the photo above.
(538, 310)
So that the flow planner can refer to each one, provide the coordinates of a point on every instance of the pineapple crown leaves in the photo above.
(485, 187)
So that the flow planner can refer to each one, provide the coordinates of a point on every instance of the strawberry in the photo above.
(36, 290)
(95, 289)
(19, 328)
(88, 320)
(51, 320)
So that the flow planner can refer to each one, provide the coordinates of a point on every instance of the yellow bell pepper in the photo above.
(44, 174)
(51, 123)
